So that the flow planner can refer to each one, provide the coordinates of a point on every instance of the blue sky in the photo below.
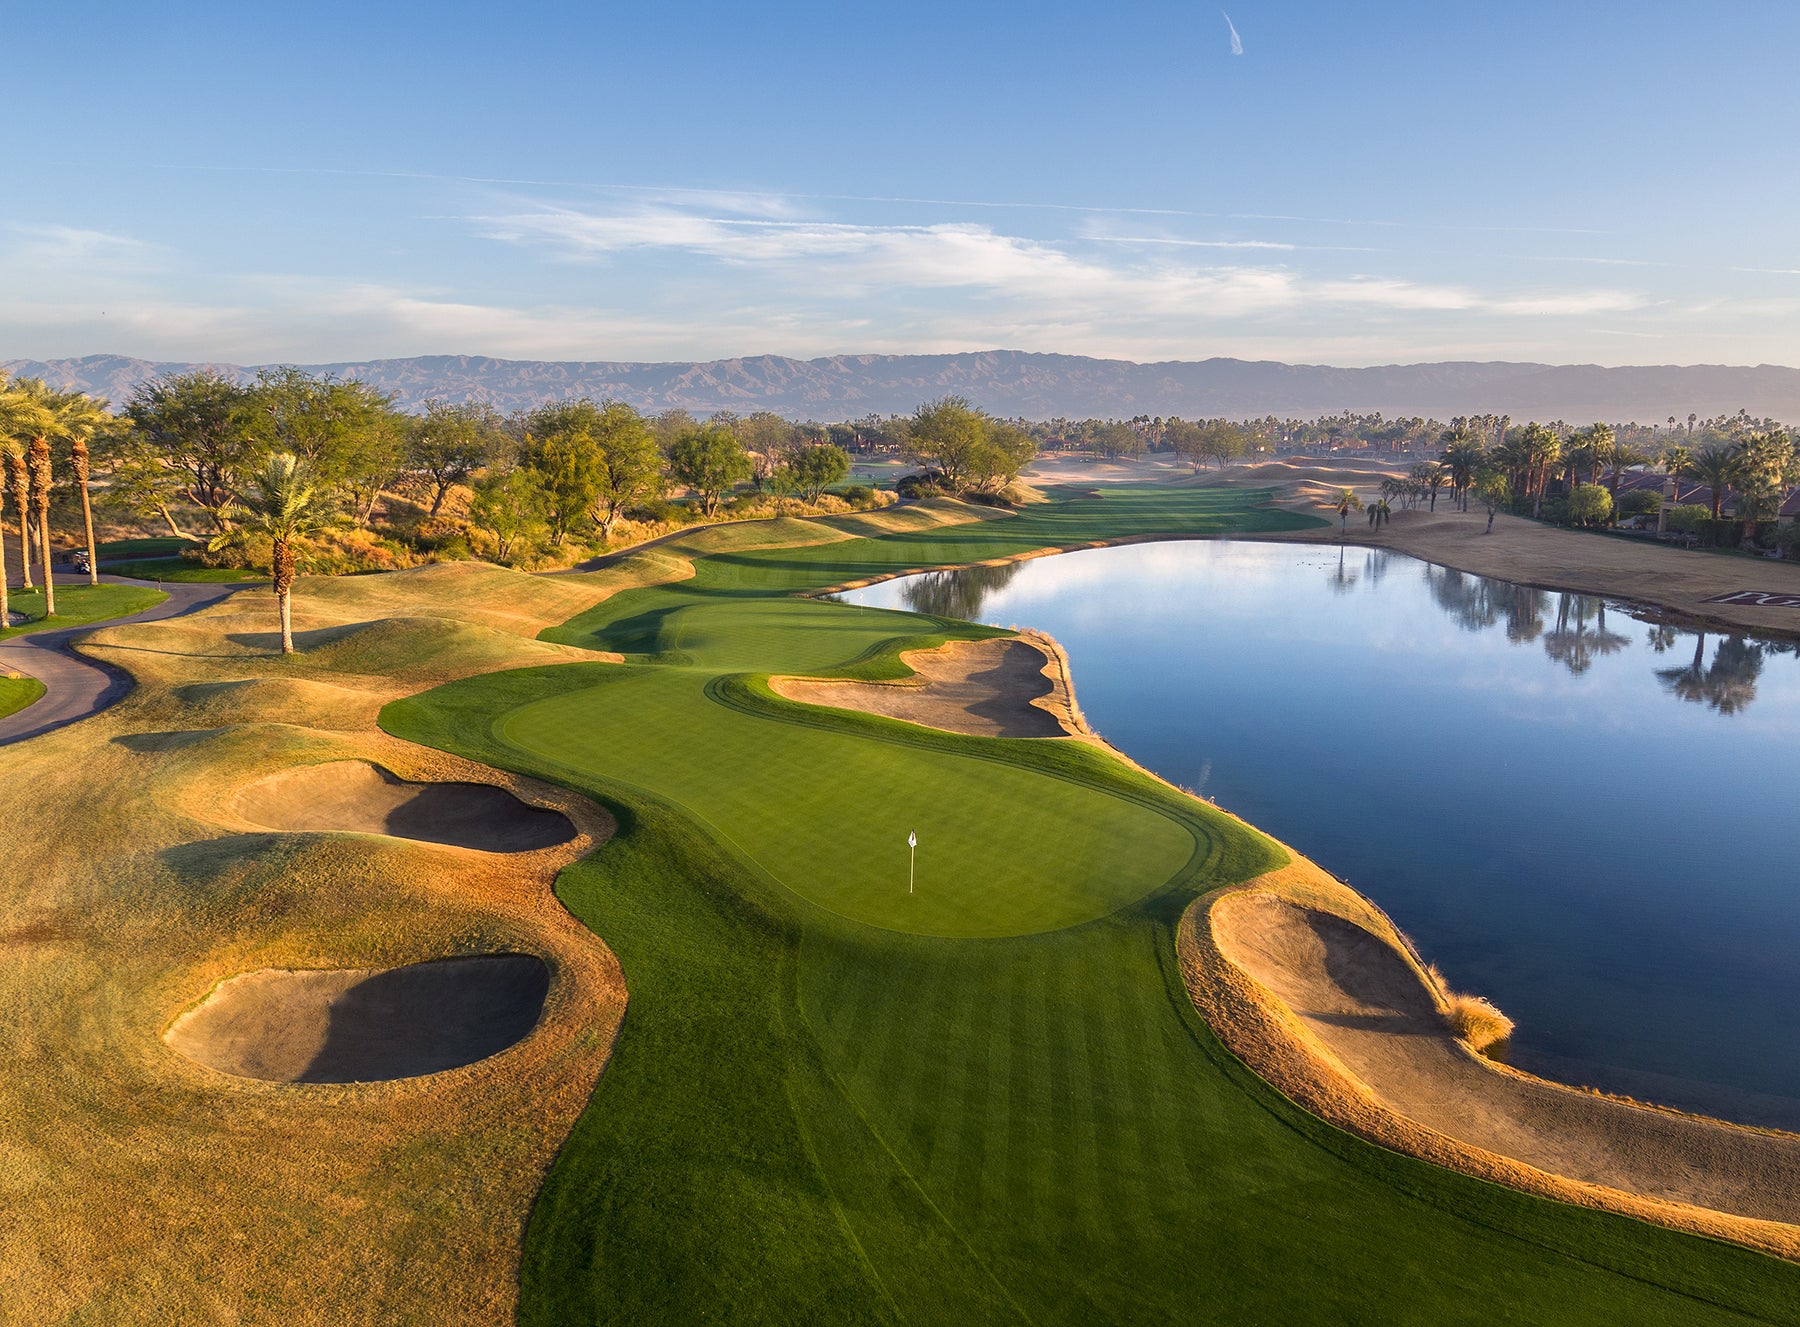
(1611, 183)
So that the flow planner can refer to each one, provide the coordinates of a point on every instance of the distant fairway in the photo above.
(989, 1102)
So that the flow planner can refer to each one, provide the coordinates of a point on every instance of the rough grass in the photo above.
(78, 605)
(138, 1187)
(18, 692)
(817, 1113)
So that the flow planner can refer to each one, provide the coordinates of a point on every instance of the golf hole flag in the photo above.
(912, 849)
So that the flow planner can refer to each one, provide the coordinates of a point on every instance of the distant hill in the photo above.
(1039, 386)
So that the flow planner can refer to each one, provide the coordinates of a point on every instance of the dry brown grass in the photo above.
(1471, 1018)
(138, 1186)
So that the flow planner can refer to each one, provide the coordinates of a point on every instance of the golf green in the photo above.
(989, 1100)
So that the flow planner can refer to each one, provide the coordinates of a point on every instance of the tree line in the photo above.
(192, 453)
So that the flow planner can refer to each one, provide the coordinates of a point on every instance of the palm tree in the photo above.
(1346, 502)
(1715, 466)
(1624, 456)
(1463, 456)
(21, 418)
(1678, 461)
(285, 504)
(17, 417)
(77, 418)
(1541, 449)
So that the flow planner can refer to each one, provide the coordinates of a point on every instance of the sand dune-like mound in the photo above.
(357, 797)
(362, 1025)
(1002, 687)
(1369, 1009)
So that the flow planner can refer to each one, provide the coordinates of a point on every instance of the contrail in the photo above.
(1237, 42)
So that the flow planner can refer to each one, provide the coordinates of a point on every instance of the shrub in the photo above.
(1688, 517)
(857, 495)
(1555, 509)
(658, 511)
(1641, 502)
(916, 486)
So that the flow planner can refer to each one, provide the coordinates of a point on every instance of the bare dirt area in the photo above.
(1313, 988)
(362, 1025)
(362, 798)
(1014, 686)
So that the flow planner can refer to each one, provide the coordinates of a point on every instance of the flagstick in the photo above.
(912, 853)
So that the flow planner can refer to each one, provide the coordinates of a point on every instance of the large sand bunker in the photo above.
(361, 1025)
(1001, 687)
(359, 797)
(1371, 1012)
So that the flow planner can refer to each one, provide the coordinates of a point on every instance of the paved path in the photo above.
(76, 686)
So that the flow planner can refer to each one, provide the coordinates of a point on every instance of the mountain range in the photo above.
(1036, 386)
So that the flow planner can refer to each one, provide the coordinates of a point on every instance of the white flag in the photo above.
(912, 840)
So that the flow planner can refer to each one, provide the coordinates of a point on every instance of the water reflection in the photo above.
(959, 593)
(1572, 628)
(1728, 686)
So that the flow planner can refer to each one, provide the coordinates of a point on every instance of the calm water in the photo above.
(1586, 816)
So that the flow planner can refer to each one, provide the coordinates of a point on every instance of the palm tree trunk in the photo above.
(21, 488)
(38, 465)
(79, 448)
(5, 606)
(282, 576)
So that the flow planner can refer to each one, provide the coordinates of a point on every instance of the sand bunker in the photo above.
(362, 1025)
(1373, 1014)
(1003, 687)
(355, 796)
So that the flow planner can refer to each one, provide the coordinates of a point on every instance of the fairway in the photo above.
(991, 1100)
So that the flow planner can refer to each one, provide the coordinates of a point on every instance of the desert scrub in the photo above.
(1471, 1018)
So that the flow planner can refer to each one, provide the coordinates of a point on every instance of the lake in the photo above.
(1577, 811)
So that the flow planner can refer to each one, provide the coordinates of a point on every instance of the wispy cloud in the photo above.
(1237, 44)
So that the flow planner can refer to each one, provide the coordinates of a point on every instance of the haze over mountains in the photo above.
(1037, 386)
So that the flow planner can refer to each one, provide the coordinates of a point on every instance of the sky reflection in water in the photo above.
(1580, 813)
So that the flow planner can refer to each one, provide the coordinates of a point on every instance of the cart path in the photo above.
(75, 686)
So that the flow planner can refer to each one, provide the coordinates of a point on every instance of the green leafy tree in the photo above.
(510, 504)
(346, 432)
(630, 470)
(1004, 452)
(817, 467)
(1494, 491)
(1590, 504)
(192, 438)
(283, 502)
(1185, 440)
(1115, 440)
(948, 436)
(1222, 441)
(710, 461)
(448, 443)
(562, 446)
(1430, 476)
